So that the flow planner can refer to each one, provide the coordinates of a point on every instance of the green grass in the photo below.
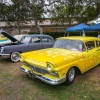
(18, 85)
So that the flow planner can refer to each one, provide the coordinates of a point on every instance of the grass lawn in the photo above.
(15, 85)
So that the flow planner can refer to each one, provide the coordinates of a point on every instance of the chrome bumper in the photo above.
(4, 56)
(45, 79)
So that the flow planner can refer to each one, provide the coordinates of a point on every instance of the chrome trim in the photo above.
(4, 55)
(45, 79)
(51, 81)
(2, 49)
(37, 68)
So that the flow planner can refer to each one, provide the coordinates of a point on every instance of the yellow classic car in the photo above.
(61, 63)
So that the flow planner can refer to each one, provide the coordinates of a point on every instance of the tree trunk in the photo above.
(15, 30)
(36, 24)
(18, 27)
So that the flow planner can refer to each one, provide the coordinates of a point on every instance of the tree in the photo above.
(62, 11)
(3, 11)
(17, 14)
(21, 11)
(38, 9)
(95, 3)
(74, 10)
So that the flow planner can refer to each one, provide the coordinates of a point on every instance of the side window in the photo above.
(46, 39)
(25, 39)
(98, 43)
(90, 45)
(35, 40)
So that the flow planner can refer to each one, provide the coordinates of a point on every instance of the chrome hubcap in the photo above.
(15, 57)
(71, 74)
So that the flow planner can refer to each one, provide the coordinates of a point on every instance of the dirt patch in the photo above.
(15, 85)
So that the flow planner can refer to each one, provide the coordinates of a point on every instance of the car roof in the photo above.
(81, 38)
(37, 35)
(14, 39)
(40, 35)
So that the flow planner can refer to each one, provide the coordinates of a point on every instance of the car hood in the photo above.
(53, 55)
(8, 36)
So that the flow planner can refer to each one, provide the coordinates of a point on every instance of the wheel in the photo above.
(15, 56)
(70, 76)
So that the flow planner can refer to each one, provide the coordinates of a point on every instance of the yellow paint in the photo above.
(62, 59)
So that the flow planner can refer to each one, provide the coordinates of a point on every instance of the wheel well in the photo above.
(13, 52)
(19, 51)
(16, 51)
(77, 70)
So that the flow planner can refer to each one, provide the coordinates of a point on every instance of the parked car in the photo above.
(27, 43)
(18, 37)
(60, 64)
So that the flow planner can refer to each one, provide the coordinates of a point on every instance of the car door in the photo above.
(47, 42)
(35, 43)
(98, 49)
(91, 55)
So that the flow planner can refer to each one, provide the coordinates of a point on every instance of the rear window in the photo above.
(46, 40)
(90, 45)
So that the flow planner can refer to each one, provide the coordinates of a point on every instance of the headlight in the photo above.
(2, 49)
(49, 68)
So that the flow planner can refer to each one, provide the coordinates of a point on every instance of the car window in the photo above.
(98, 43)
(36, 40)
(25, 39)
(90, 45)
(46, 39)
(18, 37)
(73, 45)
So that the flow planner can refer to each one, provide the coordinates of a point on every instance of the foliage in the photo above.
(74, 10)
(38, 9)
(14, 14)
(53, 34)
(3, 11)
(62, 34)
(19, 12)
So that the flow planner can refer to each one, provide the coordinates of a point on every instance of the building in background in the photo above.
(30, 27)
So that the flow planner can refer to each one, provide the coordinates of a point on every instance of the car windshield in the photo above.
(74, 45)
(25, 39)
(18, 37)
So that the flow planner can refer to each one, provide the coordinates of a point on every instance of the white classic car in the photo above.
(18, 37)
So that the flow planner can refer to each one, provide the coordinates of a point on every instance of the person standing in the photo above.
(98, 34)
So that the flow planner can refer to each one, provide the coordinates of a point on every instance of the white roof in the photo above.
(95, 21)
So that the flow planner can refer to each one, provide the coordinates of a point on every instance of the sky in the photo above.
(5, 1)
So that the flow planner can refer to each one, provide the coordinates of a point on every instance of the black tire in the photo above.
(15, 56)
(70, 76)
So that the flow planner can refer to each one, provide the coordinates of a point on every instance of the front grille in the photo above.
(37, 69)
